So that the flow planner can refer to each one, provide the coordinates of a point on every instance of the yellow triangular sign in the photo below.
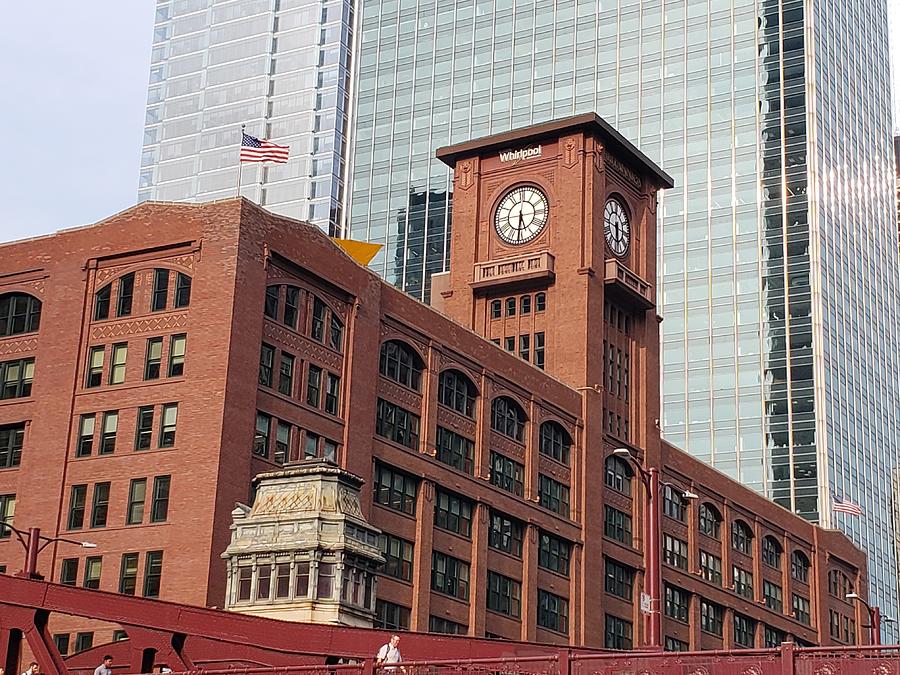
(361, 251)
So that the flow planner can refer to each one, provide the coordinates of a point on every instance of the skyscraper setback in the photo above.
(778, 246)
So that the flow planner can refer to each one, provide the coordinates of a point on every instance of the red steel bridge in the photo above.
(189, 639)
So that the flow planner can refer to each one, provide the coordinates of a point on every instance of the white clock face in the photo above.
(522, 215)
(616, 227)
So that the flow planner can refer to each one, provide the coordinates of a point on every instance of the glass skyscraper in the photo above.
(282, 67)
(777, 250)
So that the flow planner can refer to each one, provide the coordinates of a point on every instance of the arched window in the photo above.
(102, 299)
(618, 475)
(182, 290)
(709, 521)
(401, 364)
(555, 442)
(456, 391)
(771, 552)
(507, 417)
(525, 304)
(19, 313)
(800, 566)
(741, 537)
(674, 504)
(496, 309)
(540, 302)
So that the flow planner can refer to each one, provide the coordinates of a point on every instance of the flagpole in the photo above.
(240, 163)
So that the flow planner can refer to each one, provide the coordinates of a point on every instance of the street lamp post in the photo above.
(34, 542)
(874, 618)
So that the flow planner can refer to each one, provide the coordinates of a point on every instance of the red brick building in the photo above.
(155, 362)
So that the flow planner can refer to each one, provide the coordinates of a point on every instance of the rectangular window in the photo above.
(100, 506)
(553, 612)
(677, 603)
(539, 350)
(128, 574)
(270, 309)
(101, 303)
(505, 534)
(336, 334)
(92, 568)
(263, 581)
(525, 347)
(286, 375)
(455, 450)
(108, 435)
(675, 645)
(619, 580)
(800, 608)
(301, 581)
(7, 514)
(95, 367)
(266, 364)
(153, 359)
(137, 495)
(618, 634)
(439, 624)
(177, 347)
(617, 525)
(744, 631)
(119, 635)
(16, 378)
(554, 553)
(673, 504)
(449, 575)
(314, 386)
(283, 580)
(310, 445)
(126, 294)
(390, 616)
(144, 431)
(711, 567)
(507, 474)
(77, 500)
(711, 617)
(504, 594)
(773, 596)
(743, 581)
(453, 513)
(83, 641)
(68, 572)
(509, 344)
(394, 490)
(291, 306)
(525, 304)
(85, 436)
(159, 510)
(510, 307)
(553, 495)
(261, 435)
(182, 290)
(160, 290)
(317, 325)
(282, 442)
(398, 556)
(168, 423)
(332, 393)
(153, 574)
(118, 362)
(397, 424)
(675, 552)
(12, 438)
(772, 637)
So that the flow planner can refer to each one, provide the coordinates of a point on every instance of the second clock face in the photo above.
(521, 215)
(616, 227)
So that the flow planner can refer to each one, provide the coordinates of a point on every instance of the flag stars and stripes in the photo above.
(256, 150)
(839, 505)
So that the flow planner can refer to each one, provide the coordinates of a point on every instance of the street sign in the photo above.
(645, 604)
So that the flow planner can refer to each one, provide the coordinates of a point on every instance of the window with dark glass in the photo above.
(95, 367)
(525, 304)
(510, 307)
(839, 584)
(117, 363)
(182, 290)
(391, 616)
(800, 566)
(555, 442)
(457, 392)
(553, 612)
(16, 378)
(453, 513)
(507, 474)
(398, 362)
(266, 364)
(168, 424)
(619, 579)
(153, 358)
(77, 500)
(101, 303)
(291, 306)
(332, 393)
(92, 569)
(144, 428)
(85, 443)
(286, 374)
(744, 631)
(772, 596)
(507, 418)
(398, 556)
(176, 355)
(554, 553)
(7, 514)
(283, 580)
(539, 350)
(618, 475)
(509, 344)
(439, 624)
(617, 525)
(743, 581)
(618, 633)
(504, 594)
(261, 434)
(126, 295)
(741, 537)
(317, 321)
(128, 574)
(455, 450)
(675, 645)
(772, 637)
(336, 334)
(771, 552)
(709, 521)
(314, 386)
(394, 489)
(711, 617)
(505, 534)
(159, 508)
(153, 574)
(800, 608)
(674, 505)
(282, 442)
(12, 438)
(109, 431)
(137, 495)
(496, 309)
(675, 552)
(270, 308)
(83, 641)
(160, 296)
(711, 567)
(449, 575)
(68, 572)
(525, 347)
(19, 313)
(540, 302)
(553, 495)
(310, 445)
(677, 603)
(397, 424)
(100, 506)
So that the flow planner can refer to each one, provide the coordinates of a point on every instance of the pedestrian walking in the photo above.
(104, 668)
(33, 669)
(390, 654)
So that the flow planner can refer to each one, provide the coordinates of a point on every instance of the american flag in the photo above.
(256, 150)
(839, 505)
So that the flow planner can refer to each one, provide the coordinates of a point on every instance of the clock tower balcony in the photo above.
(627, 287)
(534, 266)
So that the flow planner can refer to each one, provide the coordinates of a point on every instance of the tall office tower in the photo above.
(778, 246)
(282, 67)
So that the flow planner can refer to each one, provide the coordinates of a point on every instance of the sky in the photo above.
(74, 92)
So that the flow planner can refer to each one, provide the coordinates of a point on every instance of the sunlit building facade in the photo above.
(777, 248)
(282, 67)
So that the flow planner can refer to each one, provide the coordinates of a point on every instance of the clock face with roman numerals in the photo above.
(521, 215)
(616, 227)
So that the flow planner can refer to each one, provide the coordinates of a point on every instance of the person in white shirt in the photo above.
(390, 653)
(33, 669)
(104, 668)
